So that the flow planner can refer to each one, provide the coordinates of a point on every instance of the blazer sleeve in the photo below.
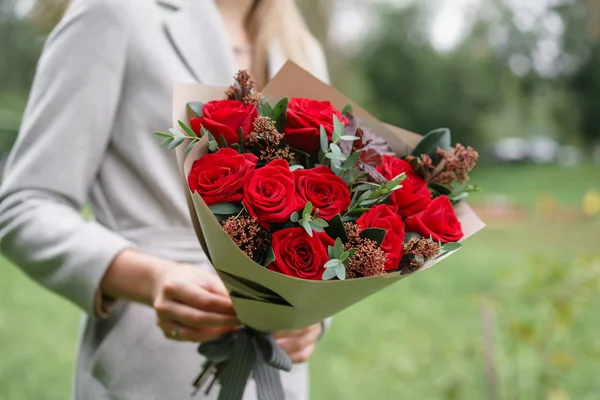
(56, 158)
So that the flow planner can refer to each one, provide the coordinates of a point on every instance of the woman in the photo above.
(103, 85)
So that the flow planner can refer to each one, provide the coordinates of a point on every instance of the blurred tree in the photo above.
(581, 51)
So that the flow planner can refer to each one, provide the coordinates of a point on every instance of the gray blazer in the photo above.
(103, 85)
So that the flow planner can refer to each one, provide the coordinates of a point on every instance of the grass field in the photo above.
(513, 314)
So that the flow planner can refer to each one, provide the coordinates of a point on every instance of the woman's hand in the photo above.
(192, 304)
(299, 344)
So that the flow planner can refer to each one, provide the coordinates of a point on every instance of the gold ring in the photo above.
(175, 332)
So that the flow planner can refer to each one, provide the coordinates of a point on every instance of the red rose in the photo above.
(324, 189)
(299, 255)
(385, 217)
(304, 120)
(270, 193)
(414, 195)
(226, 117)
(437, 220)
(220, 177)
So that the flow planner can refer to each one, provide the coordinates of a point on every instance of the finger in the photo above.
(216, 286)
(313, 329)
(200, 298)
(193, 317)
(175, 331)
(303, 355)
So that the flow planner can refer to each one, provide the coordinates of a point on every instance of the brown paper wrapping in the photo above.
(266, 300)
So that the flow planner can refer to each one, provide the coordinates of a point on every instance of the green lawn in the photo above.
(535, 280)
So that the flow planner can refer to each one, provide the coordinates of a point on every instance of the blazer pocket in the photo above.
(110, 357)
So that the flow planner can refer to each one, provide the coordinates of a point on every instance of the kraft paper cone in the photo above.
(269, 301)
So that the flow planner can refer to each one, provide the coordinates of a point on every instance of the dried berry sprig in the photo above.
(266, 142)
(417, 250)
(242, 88)
(248, 235)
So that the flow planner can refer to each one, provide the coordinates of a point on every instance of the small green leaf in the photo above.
(340, 272)
(213, 146)
(365, 186)
(306, 225)
(269, 257)
(222, 141)
(338, 248)
(294, 217)
(280, 113)
(459, 197)
(336, 229)
(267, 110)
(359, 210)
(329, 274)
(336, 167)
(332, 263)
(236, 147)
(165, 143)
(450, 247)
(338, 129)
(321, 223)
(162, 134)
(224, 208)
(375, 234)
(176, 133)
(344, 256)
(351, 160)
(364, 196)
(176, 142)
(438, 187)
(296, 167)
(369, 202)
(349, 138)
(308, 209)
(431, 141)
(204, 132)
(324, 139)
(187, 129)
(330, 252)
(190, 146)
(351, 252)
(240, 133)
(196, 108)
(394, 182)
(348, 109)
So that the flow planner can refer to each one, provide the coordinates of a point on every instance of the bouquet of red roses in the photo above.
(305, 208)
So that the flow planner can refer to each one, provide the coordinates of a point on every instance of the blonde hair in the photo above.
(268, 21)
(279, 20)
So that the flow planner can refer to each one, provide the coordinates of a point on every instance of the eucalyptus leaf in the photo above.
(332, 263)
(224, 208)
(176, 133)
(330, 252)
(375, 234)
(176, 142)
(351, 161)
(324, 139)
(307, 227)
(213, 146)
(349, 138)
(449, 247)
(196, 108)
(336, 229)
(348, 109)
(340, 272)
(222, 141)
(165, 143)
(338, 128)
(336, 167)
(308, 209)
(338, 248)
(162, 134)
(319, 222)
(294, 217)
(431, 141)
(187, 129)
(344, 256)
(296, 167)
(359, 210)
(365, 186)
(459, 197)
(203, 131)
(329, 274)
(190, 146)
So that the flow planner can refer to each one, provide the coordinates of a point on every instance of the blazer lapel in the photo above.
(198, 36)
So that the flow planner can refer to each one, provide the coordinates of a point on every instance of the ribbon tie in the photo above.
(247, 351)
